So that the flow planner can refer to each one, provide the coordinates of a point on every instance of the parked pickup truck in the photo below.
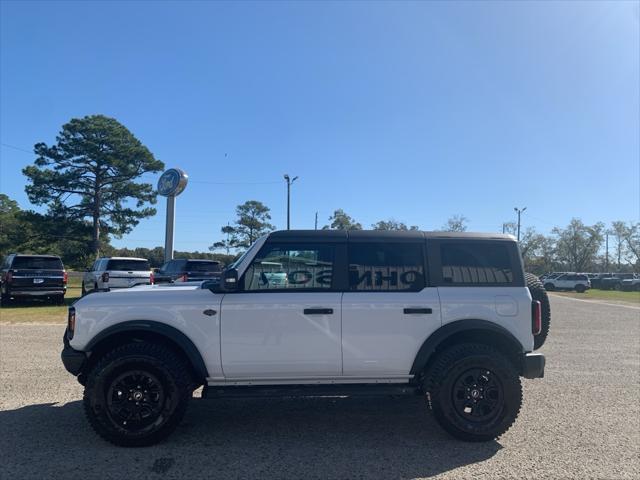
(33, 276)
(451, 317)
(614, 282)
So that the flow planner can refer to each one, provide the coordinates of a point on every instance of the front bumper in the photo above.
(533, 365)
(73, 360)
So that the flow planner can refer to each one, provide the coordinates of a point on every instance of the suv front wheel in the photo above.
(474, 392)
(137, 394)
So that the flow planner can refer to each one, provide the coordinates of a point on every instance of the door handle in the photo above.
(318, 311)
(410, 311)
(209, 312)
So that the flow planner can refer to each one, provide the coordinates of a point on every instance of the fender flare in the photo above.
(448, 330)
(172, 334)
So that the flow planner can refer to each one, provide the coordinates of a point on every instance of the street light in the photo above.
(289, 182)
(519, 211)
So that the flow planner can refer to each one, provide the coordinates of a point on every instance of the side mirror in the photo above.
(229, 280)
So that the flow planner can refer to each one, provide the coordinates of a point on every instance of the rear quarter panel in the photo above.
(509, 307)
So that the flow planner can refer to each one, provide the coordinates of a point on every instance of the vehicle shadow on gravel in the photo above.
(267, 438)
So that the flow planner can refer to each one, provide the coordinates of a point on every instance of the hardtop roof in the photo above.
(382, 235)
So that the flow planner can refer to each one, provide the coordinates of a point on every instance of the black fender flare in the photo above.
(170, 333)
(467, 325)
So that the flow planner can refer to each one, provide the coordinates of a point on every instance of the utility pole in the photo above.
(316, 227)
(519, 211)
(289, 182)
(606, 256)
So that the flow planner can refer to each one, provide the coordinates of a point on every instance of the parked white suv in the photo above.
(117, 272)
(449, 316)
(568, 281)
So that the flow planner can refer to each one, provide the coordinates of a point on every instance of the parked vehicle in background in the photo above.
(614, 282)
(551, 275)
(117, 272)
(188, 270)
(568, 281)
(630, 284)
(597, 278)
(451, 317)
(33, 276)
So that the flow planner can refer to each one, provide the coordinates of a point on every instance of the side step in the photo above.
(360, 390)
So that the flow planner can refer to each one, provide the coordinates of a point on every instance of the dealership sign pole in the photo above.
(171, 184)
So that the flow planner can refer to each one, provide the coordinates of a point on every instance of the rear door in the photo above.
(389, 310)
(285, 331)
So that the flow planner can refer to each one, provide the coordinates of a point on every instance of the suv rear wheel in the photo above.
(581, 288)
(474, 392)
(137, 394)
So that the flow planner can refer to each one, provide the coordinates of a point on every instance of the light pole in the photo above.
(289, 181)
(519, 211)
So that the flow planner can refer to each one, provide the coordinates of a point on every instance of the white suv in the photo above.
(448, 316)
(568, 281)
(117, 272)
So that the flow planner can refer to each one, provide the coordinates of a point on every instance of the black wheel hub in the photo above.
(477, 395)
(135, 400)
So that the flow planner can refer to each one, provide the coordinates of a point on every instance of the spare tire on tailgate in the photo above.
(539, 293)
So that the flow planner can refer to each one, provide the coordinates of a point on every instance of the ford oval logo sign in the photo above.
(172, 182)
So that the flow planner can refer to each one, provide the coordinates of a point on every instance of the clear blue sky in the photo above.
(416, 111)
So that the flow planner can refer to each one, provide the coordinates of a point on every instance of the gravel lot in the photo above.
(581, 421)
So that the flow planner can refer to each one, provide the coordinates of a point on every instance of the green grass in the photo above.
(38, 311)
(609, 295)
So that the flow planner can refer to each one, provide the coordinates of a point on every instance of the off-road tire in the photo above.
(442, 387)
(581, 288)
(5, 300)
(159, 363)
(58, 300)
(539, 293)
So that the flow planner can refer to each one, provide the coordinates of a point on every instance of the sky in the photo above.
(409, 110)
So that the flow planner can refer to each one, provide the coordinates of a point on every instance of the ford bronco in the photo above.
(448, 316)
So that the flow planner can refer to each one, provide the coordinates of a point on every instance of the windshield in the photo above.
(37, 263)
(242, 257)
(203, 267)
(129, 265)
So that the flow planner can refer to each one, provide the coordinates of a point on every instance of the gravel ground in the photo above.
(581, 421)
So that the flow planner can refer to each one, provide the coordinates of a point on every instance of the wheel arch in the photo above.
(151, 331)
(468, 331)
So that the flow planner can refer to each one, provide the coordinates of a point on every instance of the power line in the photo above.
(17, 148)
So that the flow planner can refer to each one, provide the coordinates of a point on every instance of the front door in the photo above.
(388, 312)
(285, 321)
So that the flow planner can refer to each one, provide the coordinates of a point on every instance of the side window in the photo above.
(291, 267)
(386, 267)
(475, 263)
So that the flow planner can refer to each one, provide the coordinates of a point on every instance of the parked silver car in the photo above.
(117, 272)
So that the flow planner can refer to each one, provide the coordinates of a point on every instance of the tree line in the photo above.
(89, 180)
(576, 247)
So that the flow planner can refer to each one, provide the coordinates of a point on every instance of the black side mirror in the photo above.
(229, 280)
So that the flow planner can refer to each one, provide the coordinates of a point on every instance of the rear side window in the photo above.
(475, 263)
(203, 267)
(129, 265)
(386, 267)
(37, 263)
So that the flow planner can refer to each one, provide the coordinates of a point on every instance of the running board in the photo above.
(359, 390)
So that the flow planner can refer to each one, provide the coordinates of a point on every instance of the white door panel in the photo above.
(378, 337)
(267, 334)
